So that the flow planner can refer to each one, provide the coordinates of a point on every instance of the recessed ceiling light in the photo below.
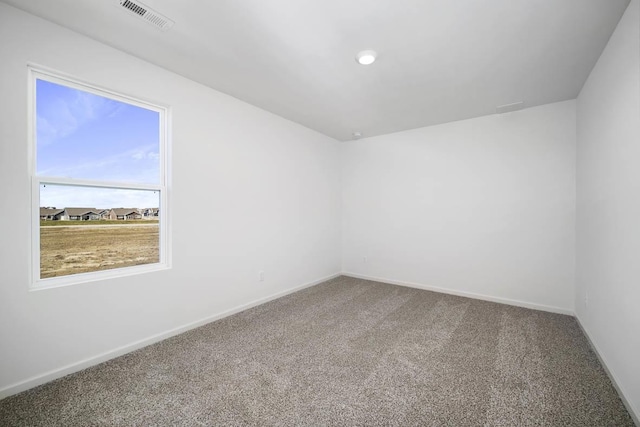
(366, 57)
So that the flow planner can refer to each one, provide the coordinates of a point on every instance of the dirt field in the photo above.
(71, 250)
(94, 223)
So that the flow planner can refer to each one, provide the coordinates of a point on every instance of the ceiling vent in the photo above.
(147, 14)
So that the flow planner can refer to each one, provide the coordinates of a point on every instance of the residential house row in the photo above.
(93, 214)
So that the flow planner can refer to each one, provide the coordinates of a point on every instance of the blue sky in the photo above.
(87, 136)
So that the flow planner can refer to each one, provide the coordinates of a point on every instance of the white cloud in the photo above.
(143, 153)
(138, 155)
(60, 117)
(138, 164)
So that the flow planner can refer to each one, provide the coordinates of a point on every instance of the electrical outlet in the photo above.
(365, 259)
(261, 276)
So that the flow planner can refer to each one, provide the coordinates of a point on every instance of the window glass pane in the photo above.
(85, 136)
(85, 229)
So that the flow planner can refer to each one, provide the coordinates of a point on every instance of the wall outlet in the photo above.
(365, 259)
(261, 276)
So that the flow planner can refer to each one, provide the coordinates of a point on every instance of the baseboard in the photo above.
(507, 301)
(635, 413)
(111, 354)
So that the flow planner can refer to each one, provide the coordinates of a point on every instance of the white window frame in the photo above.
(36, 283)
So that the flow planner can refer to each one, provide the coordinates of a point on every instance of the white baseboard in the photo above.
(111, 354)
(507, 301)
(634, 412)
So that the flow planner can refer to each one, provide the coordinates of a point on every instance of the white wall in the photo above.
(483, 206)
(251, 191)
(608, 197)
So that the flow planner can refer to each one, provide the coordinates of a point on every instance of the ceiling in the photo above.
(438, 61)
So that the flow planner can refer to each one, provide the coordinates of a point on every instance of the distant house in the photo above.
(50, 214)
(124, 214)
(150, 213)
(104, 213)
(80, 214)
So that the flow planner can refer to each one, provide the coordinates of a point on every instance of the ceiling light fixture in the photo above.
(366, 57)
(356, 135)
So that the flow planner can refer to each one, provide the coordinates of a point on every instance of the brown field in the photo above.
(44, 223)
(81, 249)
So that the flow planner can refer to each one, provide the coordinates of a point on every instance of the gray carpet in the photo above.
(345, 352)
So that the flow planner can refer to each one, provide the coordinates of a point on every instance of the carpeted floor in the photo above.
(345, 352)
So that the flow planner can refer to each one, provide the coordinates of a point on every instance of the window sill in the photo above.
(76, 279)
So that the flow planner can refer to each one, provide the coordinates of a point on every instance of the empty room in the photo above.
(320, 213)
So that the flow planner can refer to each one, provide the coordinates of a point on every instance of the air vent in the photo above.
(143, 12)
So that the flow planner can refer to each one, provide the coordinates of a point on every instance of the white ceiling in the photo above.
(438, 61)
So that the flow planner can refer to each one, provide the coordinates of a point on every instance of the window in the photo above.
(99, 183)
